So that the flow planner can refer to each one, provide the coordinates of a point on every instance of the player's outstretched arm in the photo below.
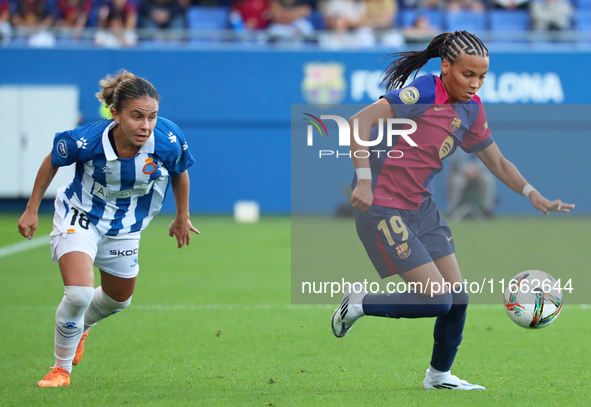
(181, 226)
(506, 171)
(29, 222)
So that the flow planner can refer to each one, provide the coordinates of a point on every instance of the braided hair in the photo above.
(448, 46)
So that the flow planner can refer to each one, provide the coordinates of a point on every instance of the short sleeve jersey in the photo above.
(120, 195)
(402, 178)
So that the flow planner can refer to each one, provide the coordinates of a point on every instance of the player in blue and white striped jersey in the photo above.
(123, 168)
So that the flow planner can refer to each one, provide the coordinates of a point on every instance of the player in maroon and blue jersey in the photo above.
(396, 218)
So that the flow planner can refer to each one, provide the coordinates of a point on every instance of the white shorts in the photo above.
(73, 232)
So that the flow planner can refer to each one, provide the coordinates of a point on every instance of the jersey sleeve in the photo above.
(179, 158)
(479, 136)
(65, 149)
(414, 99)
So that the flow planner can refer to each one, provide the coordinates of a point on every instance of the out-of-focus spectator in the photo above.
(33, 14)
(115, 35)
(380, 14)
(551, 15)
(469, 5)
(421, 31)
(254, 14)
(73, 14)
(468, 172)
(510, 4)
(344, 15)
(289, 18)
(5, 30)
(163, 14)
(125, 10)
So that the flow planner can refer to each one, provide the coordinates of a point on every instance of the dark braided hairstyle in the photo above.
(448, 46)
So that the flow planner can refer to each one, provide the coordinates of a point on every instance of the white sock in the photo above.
(436, 374)
(69, 323)
(101, 307)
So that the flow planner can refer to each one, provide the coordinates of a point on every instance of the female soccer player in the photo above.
(122, 171)
(396, 218)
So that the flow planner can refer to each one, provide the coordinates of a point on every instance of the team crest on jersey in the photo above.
(324, 83)
(409, 95)
(446, 147)
(150, 166)
(62, 148)
(403, 250)
(455, 124)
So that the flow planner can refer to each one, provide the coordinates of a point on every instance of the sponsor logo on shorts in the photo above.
(403, 250)
(120, 253)
(449, 238)
(134, 262)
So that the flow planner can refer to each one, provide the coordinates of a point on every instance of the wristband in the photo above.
(527, 189)
(363, 173)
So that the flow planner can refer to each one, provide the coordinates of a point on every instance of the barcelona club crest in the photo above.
(324, 83)
(455, 124)
(403, 250)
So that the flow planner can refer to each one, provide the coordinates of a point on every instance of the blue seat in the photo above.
(407, 17)
(584, 20)
(470, 21)
(317, 20)
(207, 18)
(504, 20)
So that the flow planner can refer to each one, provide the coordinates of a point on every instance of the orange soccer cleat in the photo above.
(80, 349)
(57, 377)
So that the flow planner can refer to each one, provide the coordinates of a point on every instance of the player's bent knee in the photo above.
(78, 296)
(461, 298)
(438, 305)
(115, 305)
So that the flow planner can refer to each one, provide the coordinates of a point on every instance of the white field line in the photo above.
(252, 307)
(24, 246)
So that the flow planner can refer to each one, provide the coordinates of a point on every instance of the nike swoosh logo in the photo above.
(439, 108)
(449, 238)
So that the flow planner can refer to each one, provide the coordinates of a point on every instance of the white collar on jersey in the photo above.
(110, 153)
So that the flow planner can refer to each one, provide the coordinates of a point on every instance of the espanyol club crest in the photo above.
(324, 83)
(403, 250)
(455, 124)
(150, 167)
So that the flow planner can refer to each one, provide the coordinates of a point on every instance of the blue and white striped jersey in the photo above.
(119, 195)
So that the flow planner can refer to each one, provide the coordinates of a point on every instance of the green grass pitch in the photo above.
(212, 325)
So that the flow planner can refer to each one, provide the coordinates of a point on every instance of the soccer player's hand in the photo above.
(181, 229)
(362, 196)
(28, 224)
(546, 206)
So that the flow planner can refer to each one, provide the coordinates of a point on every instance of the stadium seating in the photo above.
(207, 18)
(509, 21)
(317, 20)
(408, 16)
(474, 22)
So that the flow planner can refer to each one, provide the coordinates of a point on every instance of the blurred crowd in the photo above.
(116, 23)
